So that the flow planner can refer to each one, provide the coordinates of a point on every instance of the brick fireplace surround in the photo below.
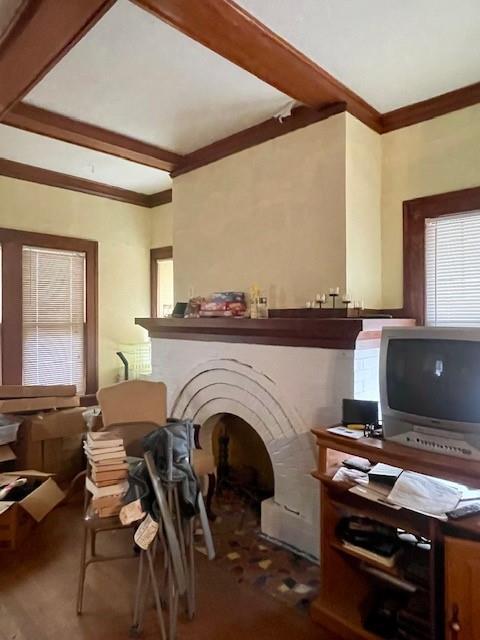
(283, 377)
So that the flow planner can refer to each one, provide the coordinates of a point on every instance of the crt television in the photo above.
(430, 389)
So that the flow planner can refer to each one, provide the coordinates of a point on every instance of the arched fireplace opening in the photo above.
(243, 463)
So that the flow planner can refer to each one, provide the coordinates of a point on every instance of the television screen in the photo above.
(434, 378)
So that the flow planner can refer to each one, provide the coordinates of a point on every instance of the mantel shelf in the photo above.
(327, 333)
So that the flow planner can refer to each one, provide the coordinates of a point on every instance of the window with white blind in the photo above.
(452, 270)
(54, 316)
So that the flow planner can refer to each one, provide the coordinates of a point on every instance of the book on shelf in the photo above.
(386, 561)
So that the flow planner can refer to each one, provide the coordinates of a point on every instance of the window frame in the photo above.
(12, 242)
(160, 253)
(415, 212)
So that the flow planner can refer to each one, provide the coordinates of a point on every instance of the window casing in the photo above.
(49, 310)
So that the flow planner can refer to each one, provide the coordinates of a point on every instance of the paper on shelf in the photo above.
(425, 494)
(374, 494)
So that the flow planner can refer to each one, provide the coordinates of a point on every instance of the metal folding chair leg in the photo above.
(83, 569)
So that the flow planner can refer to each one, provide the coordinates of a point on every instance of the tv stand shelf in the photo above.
(434, 464)
(347, 587)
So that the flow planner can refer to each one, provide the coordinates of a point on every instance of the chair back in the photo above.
(132, 409)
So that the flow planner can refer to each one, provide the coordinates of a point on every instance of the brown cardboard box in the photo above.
(18, 518)
(20, 405)
(37, 390)
(52, 442)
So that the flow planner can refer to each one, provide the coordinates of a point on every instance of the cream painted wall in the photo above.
(432, 157)
(123, 232)
(363, 212)
(272, 215)
(162, 226)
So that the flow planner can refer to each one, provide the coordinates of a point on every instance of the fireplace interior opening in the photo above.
(243, 462)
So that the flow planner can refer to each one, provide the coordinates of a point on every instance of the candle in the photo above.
(308, 304)
(320, 297)
(346, 297)
(334, 291)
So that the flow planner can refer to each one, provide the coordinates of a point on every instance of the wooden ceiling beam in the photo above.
(53, 125)
(43, 33)
(29, 173)
(233, 33)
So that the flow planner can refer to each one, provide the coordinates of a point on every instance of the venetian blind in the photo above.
(53, 317)
(452, 270)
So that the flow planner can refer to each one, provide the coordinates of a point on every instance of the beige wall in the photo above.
(162, 226)
(435, 156)
(123, 232)
(272, 215)
(363, 212)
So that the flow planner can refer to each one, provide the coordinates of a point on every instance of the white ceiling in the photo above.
(134, 74)
(47, 153)
(391, 52)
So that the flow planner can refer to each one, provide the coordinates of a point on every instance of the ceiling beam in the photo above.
(30, 173)
(233, 33)
(43, 33)
(161, 197)
(53, 125)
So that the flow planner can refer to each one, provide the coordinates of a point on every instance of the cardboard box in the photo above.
(37, 390)
(52, 442)
(21, 405)
(17, 519)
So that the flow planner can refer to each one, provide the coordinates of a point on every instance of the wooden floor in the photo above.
(38, 589)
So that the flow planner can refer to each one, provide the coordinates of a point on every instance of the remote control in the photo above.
(463, 512)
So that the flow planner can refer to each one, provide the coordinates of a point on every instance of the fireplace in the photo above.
(280, 385)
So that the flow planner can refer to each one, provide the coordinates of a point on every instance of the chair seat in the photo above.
(203, 462)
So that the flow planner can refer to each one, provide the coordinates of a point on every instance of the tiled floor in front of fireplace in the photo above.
(260, 563)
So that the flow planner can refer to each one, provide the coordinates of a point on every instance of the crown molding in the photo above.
(267, 130)
(30, 173)
(431, 108)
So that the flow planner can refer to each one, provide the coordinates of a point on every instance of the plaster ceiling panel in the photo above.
(39, 151)
(390, 52)
(136, 75)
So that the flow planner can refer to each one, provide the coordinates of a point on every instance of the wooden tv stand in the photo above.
(347, 583)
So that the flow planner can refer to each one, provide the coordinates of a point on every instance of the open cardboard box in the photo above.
(18, 518)
(51, 441)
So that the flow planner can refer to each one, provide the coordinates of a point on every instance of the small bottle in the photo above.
(254, 293)
(262, 308)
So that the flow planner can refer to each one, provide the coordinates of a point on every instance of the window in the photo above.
(441, 259)
(452, 270)
(49, 324)
(53, 317)
(161, 282)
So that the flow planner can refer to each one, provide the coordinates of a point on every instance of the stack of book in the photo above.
(108, 476)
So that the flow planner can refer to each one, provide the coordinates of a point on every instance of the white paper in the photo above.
(424, 494)
(370, 494)
(131, 512)
(349, 433)
(146, 532)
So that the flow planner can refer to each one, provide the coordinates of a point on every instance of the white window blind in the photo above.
(452, 270)
(53, 317)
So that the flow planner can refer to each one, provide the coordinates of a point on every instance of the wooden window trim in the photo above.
(415, 212)
(160, 253)
(12, 242)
